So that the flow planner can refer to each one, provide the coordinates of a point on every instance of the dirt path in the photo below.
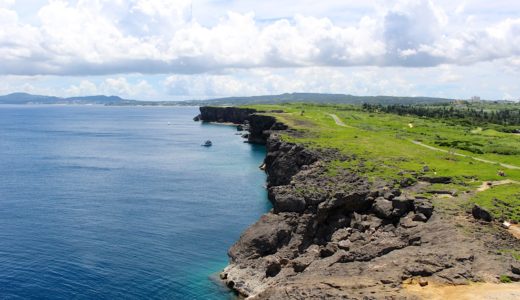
(515, 231)
(338, 121)
(463, 155)
(486, 185)
(482, 291)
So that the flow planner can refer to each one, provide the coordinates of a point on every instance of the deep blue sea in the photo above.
(121, 202)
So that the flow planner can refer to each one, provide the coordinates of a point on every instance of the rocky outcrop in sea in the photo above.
(337, 235)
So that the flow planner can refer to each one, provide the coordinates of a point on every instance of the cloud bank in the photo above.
(102, 37)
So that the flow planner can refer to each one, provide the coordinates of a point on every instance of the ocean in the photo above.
(121, 202)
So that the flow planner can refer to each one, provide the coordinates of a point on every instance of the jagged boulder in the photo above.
(438, 179)
(385, 242)
(338, 220)
(300, 266)
(515, 268)
(406, 182)
(402, 205)
(423, 207)
(390, 194)
(285, 199)
(263, 238)
(420, 217)
(350, 202)
(480, 213)
(273, 268)
(341, 234)
(383, 208)
(328, 250)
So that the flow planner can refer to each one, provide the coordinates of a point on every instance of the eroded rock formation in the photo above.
(338, 235)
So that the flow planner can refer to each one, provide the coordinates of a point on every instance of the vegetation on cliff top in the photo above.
(467, 113)
(402, 147)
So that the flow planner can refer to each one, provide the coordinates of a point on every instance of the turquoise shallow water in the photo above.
(120, 202)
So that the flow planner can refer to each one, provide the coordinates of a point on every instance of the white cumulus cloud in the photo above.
(100, 37)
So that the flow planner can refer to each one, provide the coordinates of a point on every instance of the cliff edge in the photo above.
(337, 235)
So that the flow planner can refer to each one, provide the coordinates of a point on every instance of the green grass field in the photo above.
(503, 201)
(382, 147)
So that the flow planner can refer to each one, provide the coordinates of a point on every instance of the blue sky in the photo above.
(182, 49)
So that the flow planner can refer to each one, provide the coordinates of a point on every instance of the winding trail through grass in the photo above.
(339, 122)
(486, 185)
(463, 155)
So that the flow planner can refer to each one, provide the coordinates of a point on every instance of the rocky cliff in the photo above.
(258, 125)
(339, 235)
(225, 114)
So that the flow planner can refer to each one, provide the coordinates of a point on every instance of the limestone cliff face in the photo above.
(258, 125)
(340, 236)
(317, 221)
(225, 114)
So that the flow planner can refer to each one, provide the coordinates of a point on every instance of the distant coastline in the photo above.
(25, 98)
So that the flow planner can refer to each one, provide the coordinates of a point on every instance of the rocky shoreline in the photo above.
(340, 236)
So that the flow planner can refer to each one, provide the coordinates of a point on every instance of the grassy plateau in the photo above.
(483, 161)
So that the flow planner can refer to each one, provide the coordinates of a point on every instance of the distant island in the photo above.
(25, 98)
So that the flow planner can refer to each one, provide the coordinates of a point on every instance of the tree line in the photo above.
(466, 115)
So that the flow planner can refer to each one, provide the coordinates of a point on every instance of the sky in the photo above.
(199, 49)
